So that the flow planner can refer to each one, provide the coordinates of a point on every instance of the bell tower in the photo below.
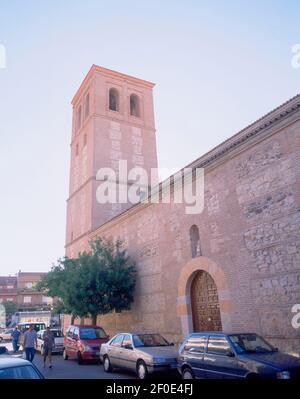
(113, 120)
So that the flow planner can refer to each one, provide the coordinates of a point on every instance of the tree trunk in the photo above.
(94, 320)
(72, 319)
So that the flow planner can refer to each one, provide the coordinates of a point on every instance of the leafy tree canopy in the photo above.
(10, 307)
(99, 281)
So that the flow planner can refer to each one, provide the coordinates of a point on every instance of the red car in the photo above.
(83, 342)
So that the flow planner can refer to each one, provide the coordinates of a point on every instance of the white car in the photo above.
(58, 339)
(6, 334)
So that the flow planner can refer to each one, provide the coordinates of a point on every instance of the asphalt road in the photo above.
(70, 369)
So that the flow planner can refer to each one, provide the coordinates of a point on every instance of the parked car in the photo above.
(58, 341)
(234, 355)
(6, 335)
(37, 326)
(83, 342)
(142, 353)
(16, 368)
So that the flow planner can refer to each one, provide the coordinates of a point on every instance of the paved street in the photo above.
(71, 370)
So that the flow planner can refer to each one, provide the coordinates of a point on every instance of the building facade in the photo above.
(21, 290)
(234, 266)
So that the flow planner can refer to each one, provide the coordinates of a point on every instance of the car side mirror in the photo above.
(230, 353)
(128, 346)
(171, 343)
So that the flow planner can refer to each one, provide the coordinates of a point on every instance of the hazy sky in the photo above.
(218, 65)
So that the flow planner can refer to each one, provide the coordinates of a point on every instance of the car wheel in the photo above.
(187, 374)
(65, 356)
(106, 365)
(141, 370)
(79, 358)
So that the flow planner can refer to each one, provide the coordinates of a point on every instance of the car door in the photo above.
(219, 358)
(114, 350)
(127, 353)
(69, 342)
(75, 339)
(39, 341)
(193, 354)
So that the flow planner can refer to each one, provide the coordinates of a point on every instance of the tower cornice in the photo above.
(109, 73)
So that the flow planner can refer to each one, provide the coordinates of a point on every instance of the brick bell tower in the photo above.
(113, 119)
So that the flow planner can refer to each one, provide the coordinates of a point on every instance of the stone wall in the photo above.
(249, 228)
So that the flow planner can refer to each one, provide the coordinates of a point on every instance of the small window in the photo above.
(76, 333)
(196, 344)
(70, 332)
(134, 105)
(118, 340)
(195, 241)
(127, 342)
(27, 299)
(79, 116)
(29, 285)
(113, 99)
(87, 106)
(218, 345)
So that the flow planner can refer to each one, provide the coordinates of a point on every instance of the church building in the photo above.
(235, 266)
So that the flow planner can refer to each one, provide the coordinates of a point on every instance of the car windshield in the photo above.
(36, 326)
(92, 333)
(149, 340)
(250, 343)
(57, 333)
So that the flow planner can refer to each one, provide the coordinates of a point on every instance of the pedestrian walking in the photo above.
(30, 343)
(48, 345)
(15, 335)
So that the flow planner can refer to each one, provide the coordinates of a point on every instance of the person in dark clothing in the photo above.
(49, 342)
(15, 335)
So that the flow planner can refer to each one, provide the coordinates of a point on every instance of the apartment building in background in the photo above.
(21, 290)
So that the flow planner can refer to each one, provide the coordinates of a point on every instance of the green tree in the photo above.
(98, 282)
(10, 308)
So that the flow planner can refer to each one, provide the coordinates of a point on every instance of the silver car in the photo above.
(58, 341)
(6, 334)
(143, 353)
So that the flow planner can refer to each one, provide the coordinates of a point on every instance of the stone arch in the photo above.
(186, 277)
(135, 105)
(113, 99)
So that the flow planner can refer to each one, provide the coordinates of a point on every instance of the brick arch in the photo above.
(186, 277)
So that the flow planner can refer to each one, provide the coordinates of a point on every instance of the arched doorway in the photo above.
(205, 303)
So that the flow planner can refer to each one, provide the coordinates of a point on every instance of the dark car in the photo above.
(83, 342)
(234, 355)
